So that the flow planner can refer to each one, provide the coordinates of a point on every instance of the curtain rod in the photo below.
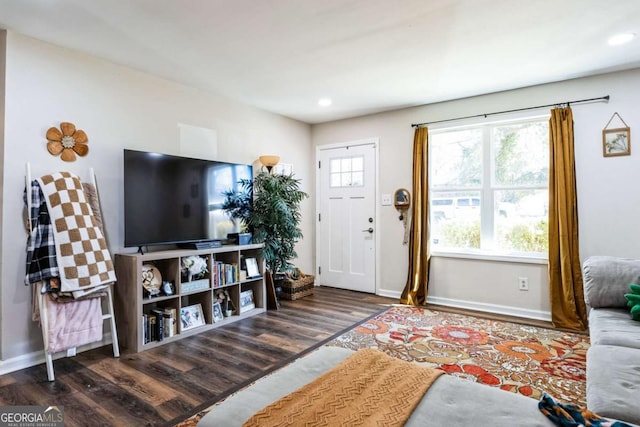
(601, 98)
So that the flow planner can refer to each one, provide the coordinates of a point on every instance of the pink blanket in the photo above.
(72, 324)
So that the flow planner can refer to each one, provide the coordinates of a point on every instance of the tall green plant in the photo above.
(269, 208)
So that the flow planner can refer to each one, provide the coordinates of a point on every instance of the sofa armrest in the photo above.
(606, 280)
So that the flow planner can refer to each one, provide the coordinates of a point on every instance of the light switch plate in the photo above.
(386, 200)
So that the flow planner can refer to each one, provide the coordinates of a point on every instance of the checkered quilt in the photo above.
(81, 250)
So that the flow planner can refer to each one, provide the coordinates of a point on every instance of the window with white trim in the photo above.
(489, 188)
(347, 172)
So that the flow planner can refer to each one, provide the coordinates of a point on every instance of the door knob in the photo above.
(370, 230)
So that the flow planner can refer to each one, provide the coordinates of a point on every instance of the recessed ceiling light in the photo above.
(324, 102)
(619, 39)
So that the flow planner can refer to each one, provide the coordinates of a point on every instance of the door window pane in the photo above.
(347, 172)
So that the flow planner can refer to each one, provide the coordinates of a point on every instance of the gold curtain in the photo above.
(568, 308)
(415, 291)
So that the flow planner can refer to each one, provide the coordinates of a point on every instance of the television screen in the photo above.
(172, 199)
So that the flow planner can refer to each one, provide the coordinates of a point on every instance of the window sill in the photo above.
(486, 256)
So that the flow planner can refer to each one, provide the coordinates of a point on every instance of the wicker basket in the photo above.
(296, 288)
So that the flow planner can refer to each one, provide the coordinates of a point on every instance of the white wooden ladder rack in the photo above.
(109, 315)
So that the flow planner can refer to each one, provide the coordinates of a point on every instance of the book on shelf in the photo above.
(159, 330)
(170, 326)
(145, 328)
(158, 325)
(152, 328)
(224, 274)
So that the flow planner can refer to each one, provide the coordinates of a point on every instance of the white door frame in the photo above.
(376, 142)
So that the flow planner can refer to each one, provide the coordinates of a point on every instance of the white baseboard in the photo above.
(478, 306)
(37, 357)
(492, 308)
(389, 294)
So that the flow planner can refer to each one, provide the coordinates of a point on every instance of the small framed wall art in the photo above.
(616, 142)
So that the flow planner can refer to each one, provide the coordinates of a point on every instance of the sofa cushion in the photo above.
(607, 279)
(613, 382)
(613, 326)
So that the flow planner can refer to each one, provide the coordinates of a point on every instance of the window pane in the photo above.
(357, 179)
(335, 166)
(456, 159)
(521, 154)
(521, 220)
(335, 180)
(357, 163)
(500, 206)
(346, 180)
(455, 220)
(346, 165)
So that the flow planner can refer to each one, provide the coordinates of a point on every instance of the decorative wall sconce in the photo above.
(269, 161)
(402, 202)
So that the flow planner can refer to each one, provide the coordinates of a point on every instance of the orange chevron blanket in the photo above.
(368, 388)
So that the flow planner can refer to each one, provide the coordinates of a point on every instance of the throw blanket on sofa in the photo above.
(81, 250)
(368, 388)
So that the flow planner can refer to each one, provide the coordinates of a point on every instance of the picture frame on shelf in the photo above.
(217, 312)
(252, 268)
(191, 317)
(246, 301)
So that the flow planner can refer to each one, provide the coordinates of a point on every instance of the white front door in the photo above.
(346, 242)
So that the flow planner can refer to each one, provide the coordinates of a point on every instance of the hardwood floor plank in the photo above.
(173, 378)
(116, 400)
(80, 411)
(174, 408)
(142, 386)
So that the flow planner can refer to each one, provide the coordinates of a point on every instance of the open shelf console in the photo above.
(149, 316)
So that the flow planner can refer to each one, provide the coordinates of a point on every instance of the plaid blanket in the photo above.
(81, 250)
(41, 250)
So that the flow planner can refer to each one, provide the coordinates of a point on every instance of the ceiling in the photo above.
(366, 55)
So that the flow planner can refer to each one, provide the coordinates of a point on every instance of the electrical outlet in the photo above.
(523, 283)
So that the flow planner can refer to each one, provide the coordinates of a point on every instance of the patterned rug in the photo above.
(518, 358)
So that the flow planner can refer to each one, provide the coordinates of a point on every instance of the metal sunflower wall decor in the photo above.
(67, 141)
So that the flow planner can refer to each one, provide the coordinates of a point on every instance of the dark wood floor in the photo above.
(163, 385)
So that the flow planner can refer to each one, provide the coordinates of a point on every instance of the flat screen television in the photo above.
(177, 200)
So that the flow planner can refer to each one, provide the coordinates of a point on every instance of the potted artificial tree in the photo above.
(269, 208)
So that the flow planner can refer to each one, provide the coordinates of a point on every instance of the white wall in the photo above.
(3, 41)
(118, 108)
(608, 199)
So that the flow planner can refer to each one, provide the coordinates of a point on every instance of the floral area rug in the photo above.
(518, 358)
